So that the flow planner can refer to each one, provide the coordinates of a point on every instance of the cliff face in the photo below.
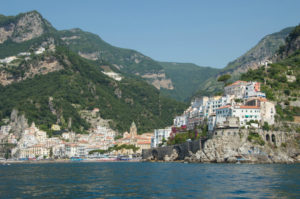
(18, 123)
(292, 44)
(233, 146)
(29, 69)
(230, 148)
(159, 80)
(23, 27)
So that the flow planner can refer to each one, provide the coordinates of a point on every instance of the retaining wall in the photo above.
(182, 150)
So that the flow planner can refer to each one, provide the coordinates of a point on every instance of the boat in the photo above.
(124, 158)
(107, 158)
(76, 159)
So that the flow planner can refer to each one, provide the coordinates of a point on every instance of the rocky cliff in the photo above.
(292, 44)
(23, 69)
(159, 80)
(241, 148)
(23, 27)
(233, 146)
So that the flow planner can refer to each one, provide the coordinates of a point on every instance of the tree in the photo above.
(224, 78)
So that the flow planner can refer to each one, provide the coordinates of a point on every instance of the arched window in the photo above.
(273, 138)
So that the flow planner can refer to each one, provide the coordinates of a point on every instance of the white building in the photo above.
(59, 150)
(41, 136)
(267, 109)
(198, 102)
(216, 102)
(180, 121)
(244, 113)
(268, 112)
(81, 150)
(211, 122)
(237, 89)
(70, 136)
(35, 151)
(159, 136)
(253, 90)
(71, 150)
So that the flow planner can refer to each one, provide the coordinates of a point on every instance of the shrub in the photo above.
(266, 126)
(287, 92)
(283, 145)
(255, 138)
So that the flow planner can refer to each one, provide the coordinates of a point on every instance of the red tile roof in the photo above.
(247, 107)
(227, 106)
(236, 83)
(144, 142)
(263, 99)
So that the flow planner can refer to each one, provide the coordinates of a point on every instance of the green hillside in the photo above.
(126, 60)
(281, 80)
(81, 86)
(264, 50)
(53, 87)
(187, 78)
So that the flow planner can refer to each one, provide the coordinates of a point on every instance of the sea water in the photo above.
(149, 180)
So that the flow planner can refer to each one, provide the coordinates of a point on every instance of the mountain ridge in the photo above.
(76, 84)
(262, 52)
(187, 78)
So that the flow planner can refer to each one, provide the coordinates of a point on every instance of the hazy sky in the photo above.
(208, 33)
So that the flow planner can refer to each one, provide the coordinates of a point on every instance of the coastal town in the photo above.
(243, 105)
(35, 144)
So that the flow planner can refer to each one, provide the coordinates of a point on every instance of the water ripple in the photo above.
(149, 180)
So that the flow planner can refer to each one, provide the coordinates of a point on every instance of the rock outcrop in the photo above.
(23, 27)
(159, 80)
(232, 149)
(30, 69)
(18, 123)
(172, 157)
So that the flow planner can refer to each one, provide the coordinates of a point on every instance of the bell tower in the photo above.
(133, 130)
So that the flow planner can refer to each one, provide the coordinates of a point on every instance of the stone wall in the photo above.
(183, 150)
(275, 138)
(227, 145)
(5, 150)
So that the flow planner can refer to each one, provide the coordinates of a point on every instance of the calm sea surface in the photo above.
(149, 180)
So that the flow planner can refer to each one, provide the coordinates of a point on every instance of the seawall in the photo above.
(183, 150)
(233, 145)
